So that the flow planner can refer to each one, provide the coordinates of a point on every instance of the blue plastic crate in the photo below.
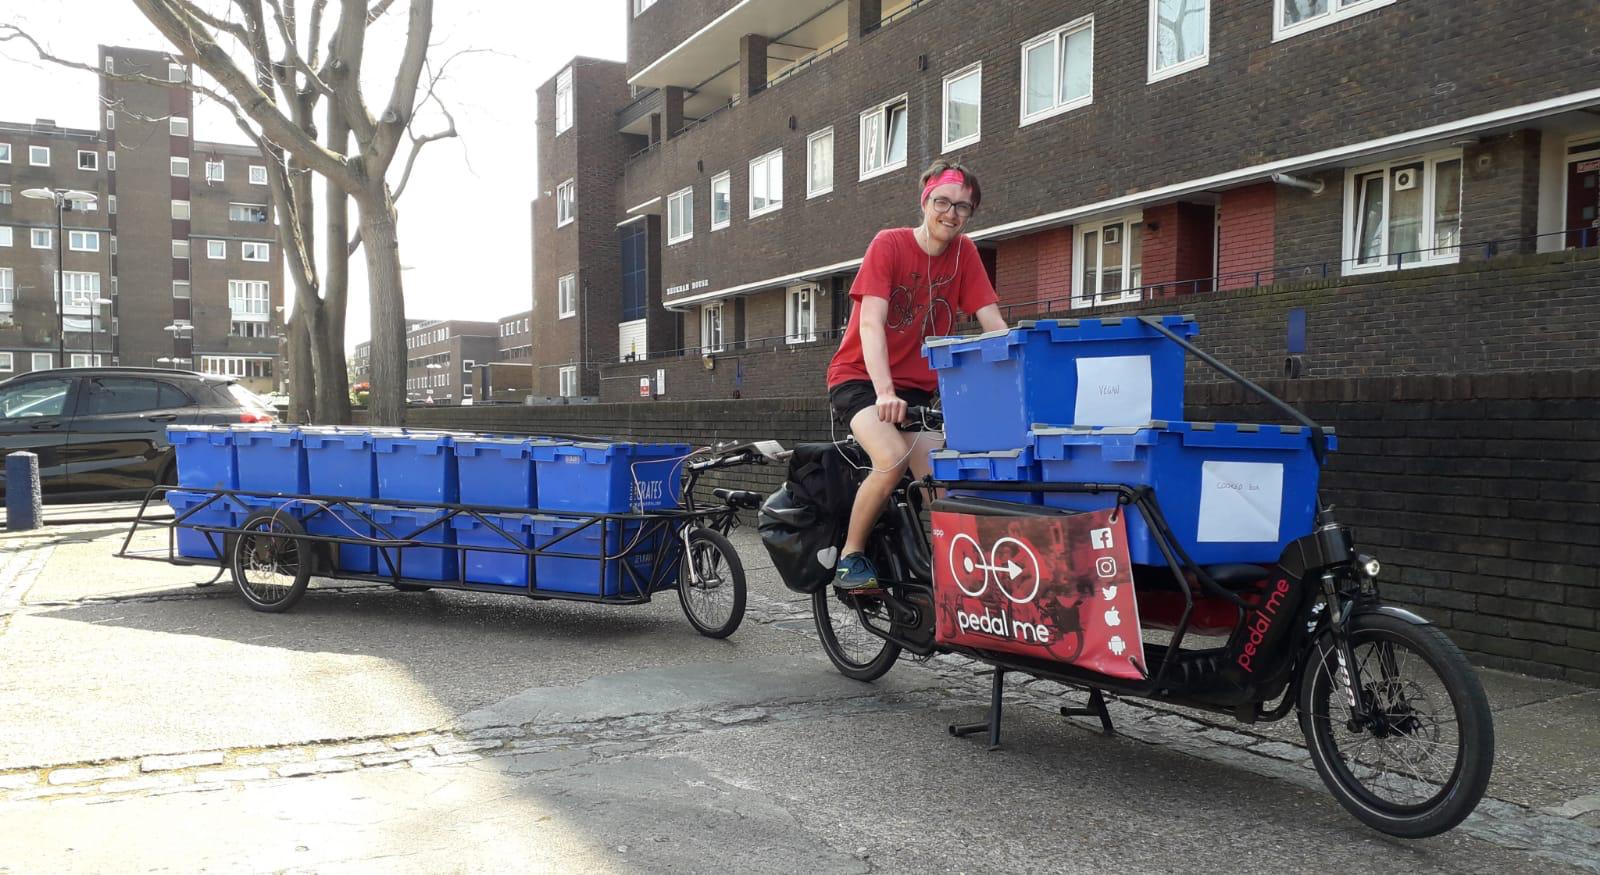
(594, 568)
(222, 512)
(501, 569)
(270, 460)
(417, 466)
(341, 522)
(340, 461)
(498, 471)
(610, 478)
(1068, 372)
(1011, 466)
(1230, 492)
(205, 456)
(415, 563)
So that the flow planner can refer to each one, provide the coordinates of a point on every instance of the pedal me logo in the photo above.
(1262, 624)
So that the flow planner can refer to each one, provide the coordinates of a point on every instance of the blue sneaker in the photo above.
(855, 573)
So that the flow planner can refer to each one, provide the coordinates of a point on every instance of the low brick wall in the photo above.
(1481, 494)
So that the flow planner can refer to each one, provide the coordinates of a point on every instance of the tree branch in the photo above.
(317, 9)
(291, 52)
(378, 9)
(397, 115)
(220, 24)
(344, 63)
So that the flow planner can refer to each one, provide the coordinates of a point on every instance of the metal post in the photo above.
(24, 504)
(61, 286)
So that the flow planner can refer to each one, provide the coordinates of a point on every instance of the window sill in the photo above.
(758, 213)
(1063, 109)
(1177, 69)
(882, 171)
(567, 315)
(564, 223)
(1386, 267)
(819, 193)
(961, 144)
(796, 341)
(674, 241)
(722, 226)
(1280, 33)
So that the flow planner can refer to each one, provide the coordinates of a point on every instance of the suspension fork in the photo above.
(1347, 675)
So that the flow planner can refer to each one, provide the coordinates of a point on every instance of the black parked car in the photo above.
(102, 432)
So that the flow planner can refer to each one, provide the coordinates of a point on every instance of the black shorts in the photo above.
(848, 399)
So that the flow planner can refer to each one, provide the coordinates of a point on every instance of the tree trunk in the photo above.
(302, 395)
(379, 241)
(335, 379)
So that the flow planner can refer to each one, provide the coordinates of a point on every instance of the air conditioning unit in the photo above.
(1405, 180)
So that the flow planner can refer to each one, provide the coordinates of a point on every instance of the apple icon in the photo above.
(1112, 618)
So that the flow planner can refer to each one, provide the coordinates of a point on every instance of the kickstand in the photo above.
(1097, 708)
(993, 723)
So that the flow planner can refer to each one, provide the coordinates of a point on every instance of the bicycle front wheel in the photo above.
(1420, 763)
(712, 587)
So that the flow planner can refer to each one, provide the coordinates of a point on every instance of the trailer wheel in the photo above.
(269, 564)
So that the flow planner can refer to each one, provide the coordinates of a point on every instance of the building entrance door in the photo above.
(1583, 198)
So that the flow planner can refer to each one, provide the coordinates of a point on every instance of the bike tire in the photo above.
(710, 552)
(1324, 720)
(868, 669)
(259, 552)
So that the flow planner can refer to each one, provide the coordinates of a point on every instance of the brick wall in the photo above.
(1247, 234)
(1480, 494)
(1034, 267)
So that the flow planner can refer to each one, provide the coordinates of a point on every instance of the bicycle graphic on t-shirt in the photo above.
(905, 310)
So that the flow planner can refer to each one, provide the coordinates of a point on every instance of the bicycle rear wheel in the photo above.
(851, 647)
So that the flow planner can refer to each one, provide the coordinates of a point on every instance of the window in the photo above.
(248, 213)
(180, 210)
(963, 92)
(83, 290)
(641, 5)
(566, 202)
(711, 328)
(39, 156)
(247, 329)
(1298, 16)
(721, 200)
(41, 238)
(567, 296)
(5, 194)
(215, 171)
(111, 161)
(180, 249)
(5, 235)
(236, 366)
(1108, 257)
(8, 289)
(84, 360)
(43, 361)
(563, 101)
(766, 183)
(5, 153)
(178, 126)
(250, 300)
(36, 397)
(569, 381)
(88, 160)
(819, 163)
(111, 204)
(175, 73)
(111, 395)
(1180, 36)
(113, 244)
(180, 288)
(1404, 214)
(7, 365)
(801, 314)
(83, 241)
(258, 174)
(883, 138)
(255, 251)
(216, 249)
(178, 167)
(680, 216)
(111, 119)
(1058, 71)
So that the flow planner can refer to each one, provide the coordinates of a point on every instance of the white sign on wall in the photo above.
(1240, 501)
(1113, 390)
(661, 381)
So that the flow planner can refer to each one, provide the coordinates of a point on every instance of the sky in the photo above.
(465, 241)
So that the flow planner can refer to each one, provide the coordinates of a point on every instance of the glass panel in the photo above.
(822, 163)
(1296, 11)
(113, 395)
(871, 134)
(897, 135)
(1369, 218)
(1135, 255)
(1040, 66)
(1091, 266)
(719, 201)
(775, 180)
(1111, 260)
(758, 186)
(1077, 65)
(1447, 209)
(1180, 31)
(961, 113)
(1405, 213)
(38, 398)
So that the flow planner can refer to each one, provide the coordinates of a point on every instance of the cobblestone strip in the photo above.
(18, 568)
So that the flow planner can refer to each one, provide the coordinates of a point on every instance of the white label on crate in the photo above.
(1113, 390)
(1240, 501)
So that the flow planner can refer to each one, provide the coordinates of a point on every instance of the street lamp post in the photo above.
(61, 197)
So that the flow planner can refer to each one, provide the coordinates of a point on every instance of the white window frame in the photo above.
(944, 121)
(765, 162)
(250, 300)
(8, 289)
(566, 203)
(801, 301)
(176, 73)
(5, 153)
(568, 377)
(180, 249)
(813, 188)
(258, 174)
(181, 289)
(265, 213)
(639, 6)
(49, 361)
(111, 119)
(723, 180)
(111, 204)
(567, 296)
(871, 143)
(83, 360)
(178, 126)
(181, 211)
(1352, 205)
(33, 156)
(1057, 107)
(7, 363)
(178, 166)
(1086, 298)
(1338, 10)
(263, 250)
(711, 317)
(237, 366)
(216, 171)
(1155, 73)
(111, 161)
(83, 241)
(94, 160)
(6, 237)
(680, 212)
(83, 289)
(49, 238)
(217, 250)
(563, 101)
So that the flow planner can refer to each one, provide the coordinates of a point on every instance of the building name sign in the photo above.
(688, 287)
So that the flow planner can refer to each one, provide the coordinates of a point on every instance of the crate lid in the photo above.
(1017, 454)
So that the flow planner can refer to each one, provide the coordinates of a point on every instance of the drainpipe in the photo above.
(1313, 186)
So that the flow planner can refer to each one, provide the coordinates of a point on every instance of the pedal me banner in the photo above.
(1051, 587)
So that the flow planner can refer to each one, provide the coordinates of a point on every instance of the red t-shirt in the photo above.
(897, 268)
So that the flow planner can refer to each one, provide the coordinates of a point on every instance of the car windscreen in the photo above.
(248, 399)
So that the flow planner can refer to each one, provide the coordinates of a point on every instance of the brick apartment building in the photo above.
(715, 194)
(179, 241)
(442, 359)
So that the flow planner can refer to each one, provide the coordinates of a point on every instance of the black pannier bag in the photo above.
(803, 524)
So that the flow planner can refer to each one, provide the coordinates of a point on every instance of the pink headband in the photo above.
(946, 178)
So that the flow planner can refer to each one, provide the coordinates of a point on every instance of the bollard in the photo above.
(24, 506)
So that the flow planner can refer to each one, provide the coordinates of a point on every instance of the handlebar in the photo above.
(930, 418)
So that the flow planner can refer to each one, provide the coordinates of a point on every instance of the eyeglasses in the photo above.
(943, 205)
